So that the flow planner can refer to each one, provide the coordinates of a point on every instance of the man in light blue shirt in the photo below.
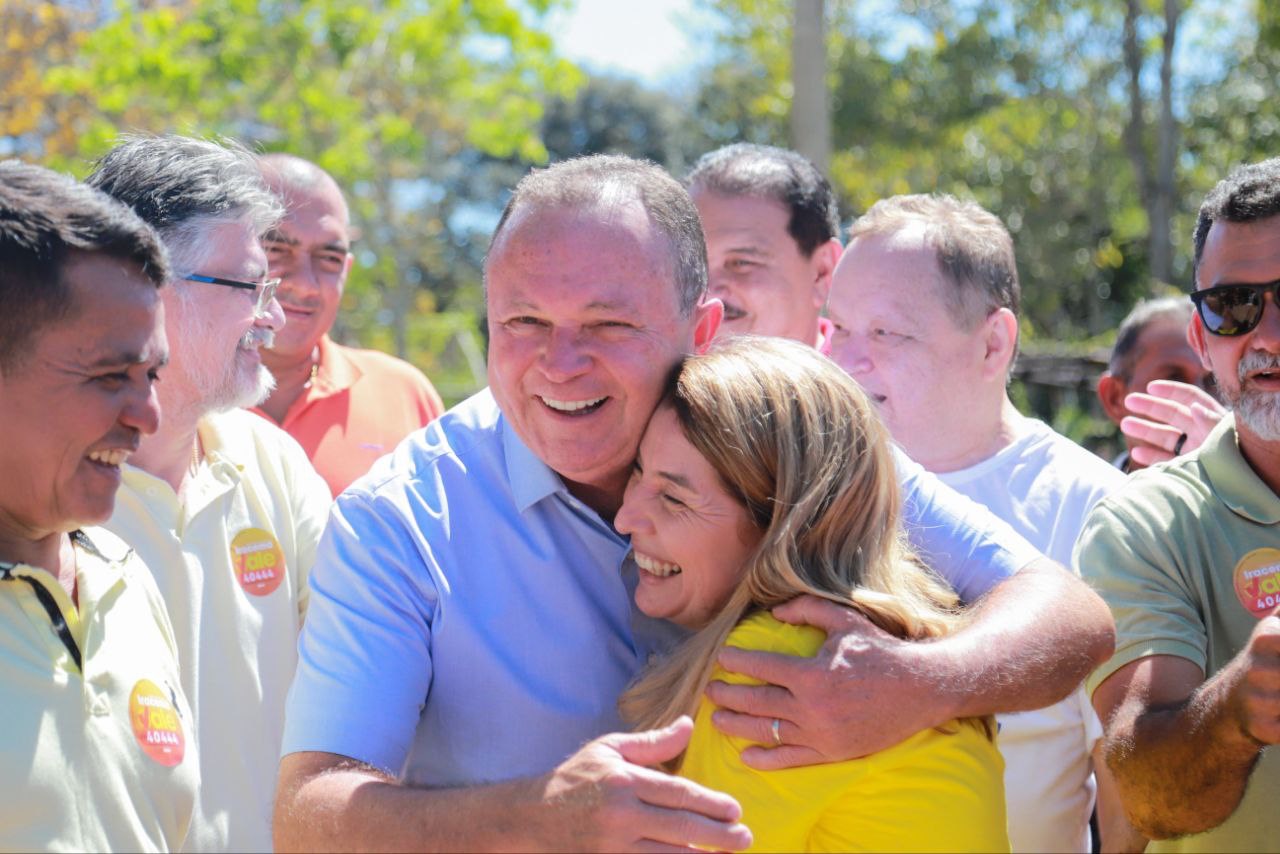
(471, 621)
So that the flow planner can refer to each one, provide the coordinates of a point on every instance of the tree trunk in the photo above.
(1162, 201)
(810, 104)
(1156, 183)
(1135, 127)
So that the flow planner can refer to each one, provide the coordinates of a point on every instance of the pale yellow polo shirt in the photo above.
(99, 756)
(231, 561)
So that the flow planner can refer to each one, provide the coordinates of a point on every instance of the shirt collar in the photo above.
(334, 370)
(1233, 479)
(531, 479)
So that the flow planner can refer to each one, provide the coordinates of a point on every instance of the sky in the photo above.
(643, 39)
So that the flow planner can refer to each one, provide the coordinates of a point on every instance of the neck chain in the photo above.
(315, 369)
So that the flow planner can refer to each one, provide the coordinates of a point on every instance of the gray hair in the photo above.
(46, 217)
(185, 187)
(1136, 322)
(609, 179)
(785, 176)
(974, 250)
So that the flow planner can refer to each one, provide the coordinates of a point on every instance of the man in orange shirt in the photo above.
(346, 407)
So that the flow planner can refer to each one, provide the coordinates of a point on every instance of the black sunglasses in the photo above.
(1234, 309)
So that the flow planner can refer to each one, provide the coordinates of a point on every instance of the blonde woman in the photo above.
(764, 475)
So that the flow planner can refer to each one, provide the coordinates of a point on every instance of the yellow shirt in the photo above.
(231, 561)
(99, 756)
(933, 792)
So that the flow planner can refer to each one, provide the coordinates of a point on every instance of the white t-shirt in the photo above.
(1044, 485)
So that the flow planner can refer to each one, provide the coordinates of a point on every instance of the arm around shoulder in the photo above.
(1028, 643)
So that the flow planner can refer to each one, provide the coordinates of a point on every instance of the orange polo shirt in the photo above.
(359, 406)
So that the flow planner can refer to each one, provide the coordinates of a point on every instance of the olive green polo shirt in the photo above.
(1187, 555)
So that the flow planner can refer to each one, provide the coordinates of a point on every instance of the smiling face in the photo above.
(584, 327)
(895, 334)
(78, 403)
(215, 332)
(767, 286)
(691, 538)
(309, 251)
(1246, 367)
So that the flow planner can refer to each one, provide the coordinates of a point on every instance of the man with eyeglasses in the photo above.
(222, 506)
(345, 406)
(1187, 555)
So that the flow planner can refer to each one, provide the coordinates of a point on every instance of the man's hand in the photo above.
(1256, 697)
(1169, 410)
(604, 798)
(858, 695)
(1162, 715)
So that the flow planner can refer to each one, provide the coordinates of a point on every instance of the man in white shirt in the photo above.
(925, 303)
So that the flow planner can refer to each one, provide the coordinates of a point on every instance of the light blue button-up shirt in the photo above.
(472, 621)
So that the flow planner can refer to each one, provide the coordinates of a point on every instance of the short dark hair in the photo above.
(46, 217)
(1136, 322)
(1250, 192)
(612, 178)
(763, 171)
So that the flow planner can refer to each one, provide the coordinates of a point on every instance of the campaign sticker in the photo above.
(1257, 579)
(156, 724)
(257, 560)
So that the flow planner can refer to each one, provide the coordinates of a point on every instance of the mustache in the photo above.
(1256, 360)
(258, 337)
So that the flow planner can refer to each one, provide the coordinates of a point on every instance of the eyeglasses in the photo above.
(266, 291)
(1229, 310)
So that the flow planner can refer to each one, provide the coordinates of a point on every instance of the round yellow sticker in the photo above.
(156, 724)
(1257, 579)
(257, 560)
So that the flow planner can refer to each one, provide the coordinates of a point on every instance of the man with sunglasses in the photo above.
(345, 406)
(222, 506)
(1188, 557)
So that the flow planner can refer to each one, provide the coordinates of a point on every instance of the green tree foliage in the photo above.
(394, 98)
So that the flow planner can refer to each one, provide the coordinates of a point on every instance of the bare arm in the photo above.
(601, 798)
(1161, 714)
(1028, 644)
(1116, 834)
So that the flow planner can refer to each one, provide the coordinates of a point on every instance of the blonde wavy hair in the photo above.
(800, 445)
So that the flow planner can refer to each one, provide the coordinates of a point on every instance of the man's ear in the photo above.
(1000, 336)
(823, 264)
(1111, 394)
(707, 317)
(346, 269)
(1196, 338)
